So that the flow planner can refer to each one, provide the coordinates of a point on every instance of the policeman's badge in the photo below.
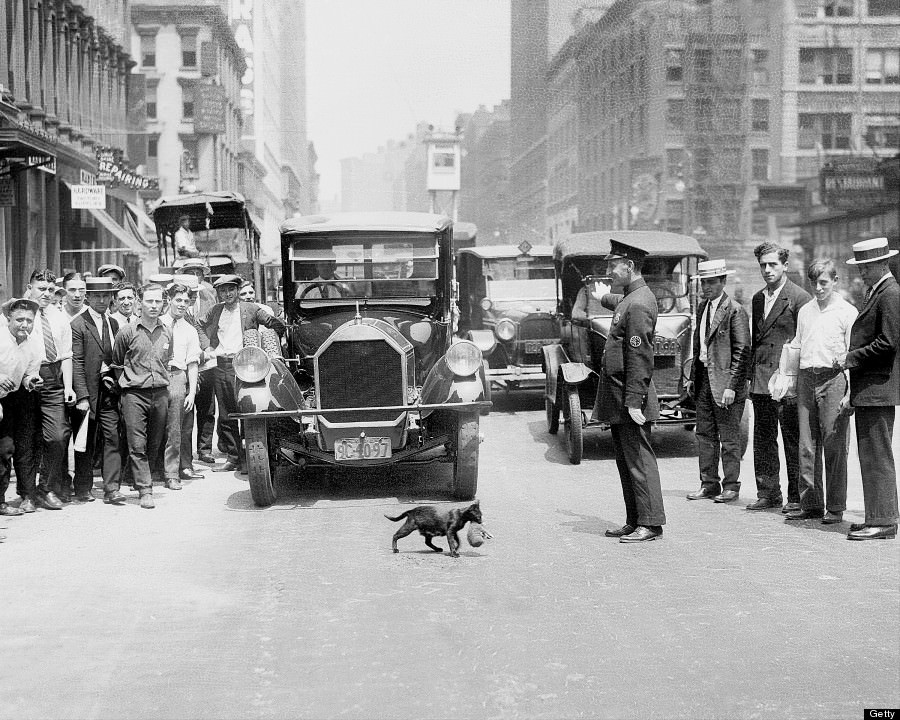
(616, 318)
(635, 341)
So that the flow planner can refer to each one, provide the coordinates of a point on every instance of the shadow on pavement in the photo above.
(588, 524)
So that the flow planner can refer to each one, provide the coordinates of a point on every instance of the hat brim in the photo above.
(890, 254)
(718, 274)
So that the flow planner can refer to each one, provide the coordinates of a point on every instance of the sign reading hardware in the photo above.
(88, 196)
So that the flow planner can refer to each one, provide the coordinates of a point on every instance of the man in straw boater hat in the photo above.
(718, 383)
(874, 363)
(626, 398)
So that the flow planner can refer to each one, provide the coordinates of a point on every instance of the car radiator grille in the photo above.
(666, 375)
(540, 328)
(366, 373)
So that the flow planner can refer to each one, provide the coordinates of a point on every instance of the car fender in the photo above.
(574, 373)
(277, 391)
(484, 340)
(554, 357)
(442, 386)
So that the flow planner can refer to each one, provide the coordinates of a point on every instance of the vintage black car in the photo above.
(507, 304)
(373, 374)
(572, 364)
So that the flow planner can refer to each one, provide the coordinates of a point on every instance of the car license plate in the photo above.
(532, 347)
(370, 448)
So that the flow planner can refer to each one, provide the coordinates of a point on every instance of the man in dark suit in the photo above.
(626, 398)
(718, 383)
(774, 323)
(93, 334)
(874, 363)
(224, 325)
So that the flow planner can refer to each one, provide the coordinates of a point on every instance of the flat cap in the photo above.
(103, 269)
(227, 280)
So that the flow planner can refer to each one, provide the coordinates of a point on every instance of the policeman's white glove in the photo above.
(637, 416)
(599, 289)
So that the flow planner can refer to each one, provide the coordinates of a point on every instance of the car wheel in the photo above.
(487, 386)
(574, 428)
(259, 466)
(251, 338)
(552, 409)
(465, 466)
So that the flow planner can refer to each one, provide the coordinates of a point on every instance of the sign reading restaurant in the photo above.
(852, 182)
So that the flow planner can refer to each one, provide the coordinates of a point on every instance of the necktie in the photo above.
(868, 295)
(708, 321)
(105, 344)
(49, 345)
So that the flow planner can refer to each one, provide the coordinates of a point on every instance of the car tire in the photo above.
(552, 409)
(251, 338)
(574, 427)
(465, 465)
(259, 465)
(487, 387)
(270, 342)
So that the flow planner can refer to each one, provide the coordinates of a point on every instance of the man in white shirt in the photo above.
(18, 363)
(73, 283)
(124, 301)
(183, 369)
(184, 239)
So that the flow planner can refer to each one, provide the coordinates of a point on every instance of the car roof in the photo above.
(656, 243)
(366, 221)
(222, 208)
(487, 252)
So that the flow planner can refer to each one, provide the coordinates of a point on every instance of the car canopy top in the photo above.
(411, 222)
(491, 252)
(595, 244)
(222, 209)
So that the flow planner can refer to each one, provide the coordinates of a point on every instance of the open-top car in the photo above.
(373, 374)
(572, 364)
(507, 304)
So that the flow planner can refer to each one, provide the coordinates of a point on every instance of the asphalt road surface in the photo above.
(208, 607)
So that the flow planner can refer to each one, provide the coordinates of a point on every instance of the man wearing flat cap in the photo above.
(874, 363)
(225, 325)
(718, 383)
(115, 272)
(626, 398)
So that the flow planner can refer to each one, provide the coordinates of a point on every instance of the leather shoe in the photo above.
(764, 504)
(206, 458)
(48, 501)
(833, 518)
(620, 532)
(874, 532)
(790, 507)
(114, 498)
(804, 515)
(190, 475)
(701, 494)
(84, 497)
(640, 534)
(10, 511)
(147, 502)
(27, 505)
(858, 526)
(727, 496)
(173, 485)
(64, 497)
(227, 467)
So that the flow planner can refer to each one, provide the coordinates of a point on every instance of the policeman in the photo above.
(626, 398)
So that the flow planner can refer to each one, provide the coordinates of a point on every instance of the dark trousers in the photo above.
(639, 475)
(42, 436)
(768, 415)
(179, 426)
(144, 412)
(823, 432)
(10, 405)
(205, 409)
(718, 436)
(874, 431)
(229, 432)
(102, 441)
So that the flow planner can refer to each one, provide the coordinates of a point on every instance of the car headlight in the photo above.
(251, 364)
(505, 330)
(463, 358)
(486, 304)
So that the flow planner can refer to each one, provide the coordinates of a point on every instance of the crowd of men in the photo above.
(124, 373)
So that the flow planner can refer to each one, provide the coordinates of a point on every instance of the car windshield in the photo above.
(333, 268)
(522, 278)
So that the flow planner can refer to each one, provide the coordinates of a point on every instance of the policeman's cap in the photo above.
(621, 251)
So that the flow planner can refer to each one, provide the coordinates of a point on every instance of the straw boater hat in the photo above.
(866, 251)
(162, 279)
(99, 284)
(712, 269)
(190, 281)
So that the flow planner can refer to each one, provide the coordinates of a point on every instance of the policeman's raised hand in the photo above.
(599, 289)
(83, 405)
(637, 416)
(727, 397)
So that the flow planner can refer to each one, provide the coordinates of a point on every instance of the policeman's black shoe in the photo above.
(641, 534)
(619, 532)
(206, 458)
(114, 498)
(726, 496)
(764, 504)
(702, 494)
(48, 501)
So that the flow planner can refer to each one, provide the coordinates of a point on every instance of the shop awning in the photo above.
(22, 150)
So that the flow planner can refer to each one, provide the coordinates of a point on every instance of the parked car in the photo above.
(572, 364)
(373, 375)
(507, 304)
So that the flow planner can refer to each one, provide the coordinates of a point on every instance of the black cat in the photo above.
(432, 521)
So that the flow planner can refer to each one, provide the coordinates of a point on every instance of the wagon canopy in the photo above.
(223, 208)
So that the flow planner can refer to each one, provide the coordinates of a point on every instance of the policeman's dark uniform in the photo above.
(626, 381)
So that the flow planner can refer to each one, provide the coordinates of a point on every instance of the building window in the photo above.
(187, 102)
(151, 102)
(883, 131)
(148, 51)
(759, 115)
(674, 67)
(153, 155)
(675, 216)
(881, 8)
(829, 131)
(675, 115)
(189, 50)
(826, 66)
(760, 165)
(883, 67)
(760, 67)
(838, 8)
(703, 66)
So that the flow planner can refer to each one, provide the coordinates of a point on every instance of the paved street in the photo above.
(210, 607)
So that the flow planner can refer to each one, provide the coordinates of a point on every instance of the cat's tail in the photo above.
(398, 518)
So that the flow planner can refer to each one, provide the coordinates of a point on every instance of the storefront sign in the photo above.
(852, 183)
(781, 198)
(112, 170)
(88, 196)
(209, 109)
